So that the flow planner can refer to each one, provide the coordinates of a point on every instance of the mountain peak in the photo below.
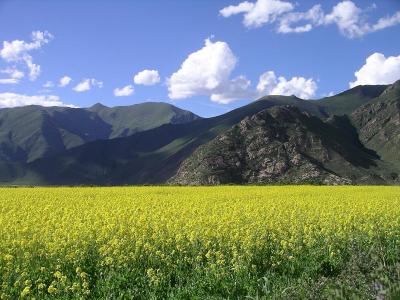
(275, 145)
(97, 106)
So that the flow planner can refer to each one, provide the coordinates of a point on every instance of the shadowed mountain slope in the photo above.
(348, 101)
(32, 132)
(151, 156)
(281, 145)
(332, 140)
(378, 124)
(127, 120)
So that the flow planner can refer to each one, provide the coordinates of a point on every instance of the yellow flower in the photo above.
(8, 257)
(58, 274)
(51, 290)
(25, 291)
(108, 261)
(169, 229)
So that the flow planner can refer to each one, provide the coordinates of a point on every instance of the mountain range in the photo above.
(349, 138)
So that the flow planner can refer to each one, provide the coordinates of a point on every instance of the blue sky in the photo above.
(208, 60)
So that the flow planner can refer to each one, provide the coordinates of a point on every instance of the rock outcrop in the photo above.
(378, 124)
(283, 145)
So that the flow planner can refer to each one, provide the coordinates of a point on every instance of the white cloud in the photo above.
(313, 17)
(270, 84)
(387, 22)
(83, 86)
(237, 88)
(203, 71)
(64, 81)
(378, 69)
(13, 100)
(124, 91)
(8, 81)
(231, 10)
(14, 76)
(147, 77)
(346, 15)
(351, 20)
(18, 51)
(207, 72)
(87, 84)
(48, 84)
(259, 13)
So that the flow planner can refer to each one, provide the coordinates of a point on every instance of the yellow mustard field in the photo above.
(198, 242)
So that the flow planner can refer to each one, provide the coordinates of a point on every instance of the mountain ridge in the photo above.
(32, 132)
(154, 156)
(280, 145)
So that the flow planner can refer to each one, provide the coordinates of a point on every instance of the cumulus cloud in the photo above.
(18, 51)
(14, 100)
(270, 84)
(87, 84)
(64, 81)
(312, 18)
(378, 69)
(207, 72)
(147, 77)
(13, 76)
(124, 91)
(203, 71)
(237, 88)
(350, 19)
(258, 13)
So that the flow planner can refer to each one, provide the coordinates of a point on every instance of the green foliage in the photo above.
(229, 242)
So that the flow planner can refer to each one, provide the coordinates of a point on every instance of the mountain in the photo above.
(378, 124)
(32, 132)
(327, 141)
(348, 101)
(127, 120)
(151, 156)
(281, 145)
(358, 144)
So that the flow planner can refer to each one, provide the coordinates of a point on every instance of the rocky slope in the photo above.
(351, 137)
(378, 124)
(150, 156)
(282, 145)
